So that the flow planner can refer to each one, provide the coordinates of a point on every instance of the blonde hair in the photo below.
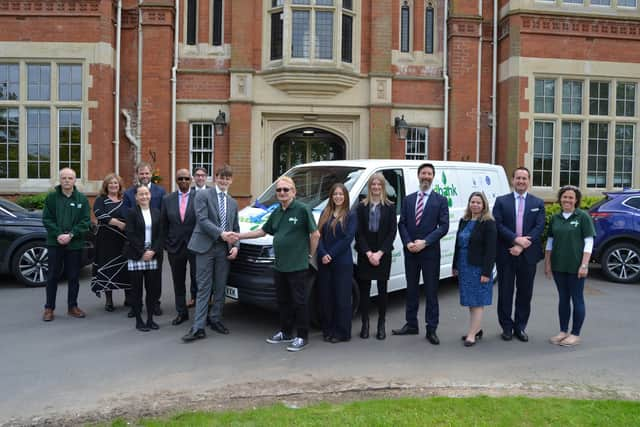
(384, 199)
(331, 208)
(104, 190)
(485, 215)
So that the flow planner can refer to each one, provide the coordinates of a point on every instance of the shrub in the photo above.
(32, 201)
(554, 208)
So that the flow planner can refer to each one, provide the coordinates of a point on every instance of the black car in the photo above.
(23, 252)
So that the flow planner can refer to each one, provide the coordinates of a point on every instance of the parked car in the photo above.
(23, 252)
(617, 243)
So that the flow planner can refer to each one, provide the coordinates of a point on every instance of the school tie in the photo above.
(419, 207)
(520, 216)
(183, 205)
(222, 211)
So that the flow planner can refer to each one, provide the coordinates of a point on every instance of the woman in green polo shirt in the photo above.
(567, 257)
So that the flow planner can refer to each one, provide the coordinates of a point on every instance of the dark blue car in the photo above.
(23, 252)
(617, 243)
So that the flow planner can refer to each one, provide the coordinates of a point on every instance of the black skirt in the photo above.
(364, 269)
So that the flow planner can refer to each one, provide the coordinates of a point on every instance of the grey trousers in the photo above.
(212, 270)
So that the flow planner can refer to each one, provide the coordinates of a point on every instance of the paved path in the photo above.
(102, 362)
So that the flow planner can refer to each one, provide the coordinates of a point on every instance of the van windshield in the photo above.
(313, 185)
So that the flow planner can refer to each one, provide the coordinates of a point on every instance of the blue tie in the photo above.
(222, 211)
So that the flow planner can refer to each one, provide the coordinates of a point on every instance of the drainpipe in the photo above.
(116, 109)
(445, 75)
(494, 82)
(478, 113)
(139, 115)
(174, 82)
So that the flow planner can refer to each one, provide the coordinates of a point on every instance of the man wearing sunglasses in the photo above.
(215, 243)
(178, 218)
(295, 237)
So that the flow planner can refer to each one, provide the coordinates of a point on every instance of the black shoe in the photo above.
(141, 326)
(157, 311)
(521, 335)
(109, 307)
(192, 336)
(219, 327)
(152, 325)
(406, 330)
(131, 313)
(432, 337)
(180, 318)
(506, 335)
(364, 331)
(381, 334)
(478, 336)
(468, 343)
(335, 340)
(327, 338)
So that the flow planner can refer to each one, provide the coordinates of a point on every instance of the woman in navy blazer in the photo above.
(473, 261)
(377, 228)
(143, 248)
(337, 227)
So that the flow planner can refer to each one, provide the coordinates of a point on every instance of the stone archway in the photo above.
(305, 145)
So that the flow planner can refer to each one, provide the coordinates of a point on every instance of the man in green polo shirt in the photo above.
(295, 238)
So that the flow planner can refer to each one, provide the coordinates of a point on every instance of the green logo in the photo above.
(445, 190)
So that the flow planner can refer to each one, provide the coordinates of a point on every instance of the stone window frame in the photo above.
(192, 162)
(212, 23)
(55, 106)
(434, 27)
(405, 6)
(203, 48)
(617, 156)
(286, 7)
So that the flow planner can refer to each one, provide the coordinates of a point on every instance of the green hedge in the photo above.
(554, 208)
(32, 201)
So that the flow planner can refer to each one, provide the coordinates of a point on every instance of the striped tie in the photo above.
(222, 211)
(419, 207)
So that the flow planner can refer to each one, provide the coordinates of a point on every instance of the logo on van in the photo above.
(446, 190)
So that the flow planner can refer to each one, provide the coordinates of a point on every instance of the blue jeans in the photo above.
(570, 290)
(71, 259)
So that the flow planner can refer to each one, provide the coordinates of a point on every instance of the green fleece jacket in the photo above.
(62, 214)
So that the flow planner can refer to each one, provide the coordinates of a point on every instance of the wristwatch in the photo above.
(584, 266)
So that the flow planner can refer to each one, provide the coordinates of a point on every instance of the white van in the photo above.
(251, 276)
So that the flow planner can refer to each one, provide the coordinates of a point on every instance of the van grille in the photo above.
(251, 260)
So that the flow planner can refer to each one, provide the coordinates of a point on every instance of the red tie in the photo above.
(183, 206)
(419, 208)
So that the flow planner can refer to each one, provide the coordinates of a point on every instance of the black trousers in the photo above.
(292, 293)
(178, 262)
(381, 299)
(60, 256)
(515, 274)
(150, 279)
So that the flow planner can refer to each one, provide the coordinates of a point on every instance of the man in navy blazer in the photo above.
(424, 220)
(519, 249)
(143, 173)
(178, 218)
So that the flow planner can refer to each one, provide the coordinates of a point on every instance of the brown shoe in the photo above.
(48, 315)
(76, 312)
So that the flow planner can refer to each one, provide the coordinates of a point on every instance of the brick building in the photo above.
(302, 80)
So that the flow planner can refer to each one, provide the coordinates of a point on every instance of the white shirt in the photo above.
(146, 214)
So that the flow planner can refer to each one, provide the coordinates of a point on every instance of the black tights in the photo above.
(381, 299)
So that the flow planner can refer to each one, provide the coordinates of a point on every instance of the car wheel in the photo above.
(31, 264)
(621, 262)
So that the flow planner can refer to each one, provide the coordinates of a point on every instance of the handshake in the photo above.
(231, 237)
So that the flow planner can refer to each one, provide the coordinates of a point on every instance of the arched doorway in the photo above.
(305, 145)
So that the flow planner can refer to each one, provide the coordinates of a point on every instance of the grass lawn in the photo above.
(437, 411)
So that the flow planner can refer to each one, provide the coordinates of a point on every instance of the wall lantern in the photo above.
(219, 123)
(401, 127)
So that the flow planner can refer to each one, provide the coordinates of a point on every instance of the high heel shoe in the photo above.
(478, 336)
(364, 332)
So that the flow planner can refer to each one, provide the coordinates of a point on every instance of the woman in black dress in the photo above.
(377, 227)
(110, 267)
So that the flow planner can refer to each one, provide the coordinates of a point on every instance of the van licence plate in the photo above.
(231, 292)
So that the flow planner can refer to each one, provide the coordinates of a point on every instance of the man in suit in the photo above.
(144, 174)
(200, 178)
(178, 219)
(215, 243)
(520, 220)
(424, 220)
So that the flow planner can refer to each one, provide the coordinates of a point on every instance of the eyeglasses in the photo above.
(184, 178)
(285, 189)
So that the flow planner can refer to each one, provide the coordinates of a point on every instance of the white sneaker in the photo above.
(297, 344)
(279, 337)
